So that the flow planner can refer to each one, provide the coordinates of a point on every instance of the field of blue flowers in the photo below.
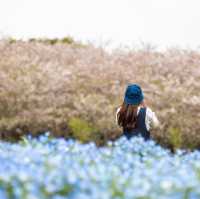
(50, 168)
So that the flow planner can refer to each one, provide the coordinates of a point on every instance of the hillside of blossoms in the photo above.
(73, 90)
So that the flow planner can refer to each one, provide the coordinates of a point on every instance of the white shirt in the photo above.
(151, 120)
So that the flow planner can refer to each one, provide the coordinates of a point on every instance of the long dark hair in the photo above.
(127, 116)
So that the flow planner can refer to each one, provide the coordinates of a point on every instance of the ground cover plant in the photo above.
(73, 90)
(50, 168)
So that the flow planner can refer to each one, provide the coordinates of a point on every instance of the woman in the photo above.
(133, 116)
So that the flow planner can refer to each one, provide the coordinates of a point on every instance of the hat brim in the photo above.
(133, 101)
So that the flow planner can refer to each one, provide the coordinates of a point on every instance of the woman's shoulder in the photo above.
(149, 110)
(151, 117)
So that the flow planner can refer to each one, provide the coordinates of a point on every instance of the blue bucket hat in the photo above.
(133, 94)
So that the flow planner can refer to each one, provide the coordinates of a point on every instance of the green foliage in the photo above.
(117, 193)
(12, 40)
(53, 41)
(8, 187)
(48, 41)
(67, 40)
(175, 137)
(187, 193)
(81, 129)
(63, 191)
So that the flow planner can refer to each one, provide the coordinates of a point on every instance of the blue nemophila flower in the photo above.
(46, 167)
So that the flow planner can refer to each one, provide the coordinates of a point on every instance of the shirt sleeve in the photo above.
(151, 120)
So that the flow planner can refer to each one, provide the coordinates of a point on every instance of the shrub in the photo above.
(175, 137)
(67, 40)
(81, 129)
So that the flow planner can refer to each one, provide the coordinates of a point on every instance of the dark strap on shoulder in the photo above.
(141, 118)
(140, 128)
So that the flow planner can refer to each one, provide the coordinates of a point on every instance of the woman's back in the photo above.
(133, 116)
(146, 120)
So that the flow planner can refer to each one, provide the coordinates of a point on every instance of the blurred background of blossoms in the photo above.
(73, 90)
